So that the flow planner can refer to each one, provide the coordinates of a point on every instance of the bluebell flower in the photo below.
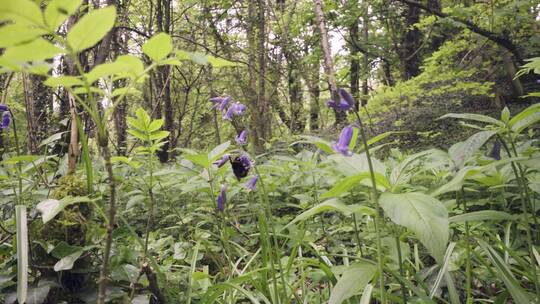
(222, 161)
(346, 101)
(252, 183)
(3, 107)
(342, 146)
(234, 109)
(6, 119)
(241, 139)
(222, 198)
(221, 103)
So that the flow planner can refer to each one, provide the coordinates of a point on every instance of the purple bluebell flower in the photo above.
(221, 103)
(241, 139)
(252, 183)
(496, 151)
(3, 107)
(6, 119)
(222, 161)
(234, 109)
(346, 101)
(222, 198)
(342, 146)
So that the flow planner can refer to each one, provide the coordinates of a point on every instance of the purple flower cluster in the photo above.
(242, 163)
(346, 101)
(6, 116)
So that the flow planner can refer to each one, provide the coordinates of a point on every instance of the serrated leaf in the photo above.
(158, 47)
(91, 28)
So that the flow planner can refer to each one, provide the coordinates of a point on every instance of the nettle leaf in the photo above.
(353, 279)
(13, 34)
(463, 151)
(422, 214)
(158, 47)
(91, 28)
(58, 11)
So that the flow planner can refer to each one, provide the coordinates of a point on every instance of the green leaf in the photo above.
(155, 125)
(13, 34)
(198, 58)
(158, 47)
(475, 117)
(23, 12)
(457, 181)
(520, 295)
(423, 215)
(133, 64)
(463, 151)
(106, 69)
(36, 50)
(354, 279)
(199, 159)
(484, 215)
(218, 151)
(91, 28)
(354, 138)
(22, 253)
(49, 208)
(158, 135)
(219, 62)
(63, 81)
(66, 263)
(525, 118)
(331, 205)
(349, 182)
(58, 11)
(320, 143)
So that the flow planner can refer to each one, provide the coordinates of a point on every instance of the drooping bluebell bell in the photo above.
(234, 109)
(496, 151)
(252, 183)
(342, 146)
(3, 107)
(6, 119)
(222, 161)
(346, 101)
(220, 103)
(222, 198)
(241, 139)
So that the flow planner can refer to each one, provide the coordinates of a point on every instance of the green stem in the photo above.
(379, 218)
(401, 272)
(468, 268)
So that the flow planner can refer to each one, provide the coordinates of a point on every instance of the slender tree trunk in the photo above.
(367, 68)
(354, 61)
(37, 99)
(328, 63)
(297, 123)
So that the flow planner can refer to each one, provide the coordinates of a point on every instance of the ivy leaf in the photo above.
(158, 47)
(91, 28)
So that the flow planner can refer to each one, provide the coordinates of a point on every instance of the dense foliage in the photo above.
(195, 152)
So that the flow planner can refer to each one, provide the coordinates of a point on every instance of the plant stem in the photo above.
(401, 272)
(468, 269)
(379, 218)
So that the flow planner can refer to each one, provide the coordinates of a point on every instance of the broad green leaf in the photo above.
(519, 294)
(423, 215)
(198, 58)
(457, 181)
(58, 11)
(474, 117)
(525, 118)
(320, 143)
(354, 279)
(125, 91)
(13, 34)
(155, 125)
(105, 70)
(349, 182)
(484, 215)
(49, 208)
(218, 151)
(463, 151)
(133, 64)
(20, 159)
(22, 253)
(20, 11)
(66, 263)
(158, 135)
(200, 159)
(331, 205)
(158, 47)
(400, 174)
(36, 50)
(366, 294)
(63, 249)
(91, 28)
(64, 81)
(219, 62)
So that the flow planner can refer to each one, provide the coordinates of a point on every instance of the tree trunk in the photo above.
(410, 55)
(354, 62)
(328, 63)
(37, 99)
